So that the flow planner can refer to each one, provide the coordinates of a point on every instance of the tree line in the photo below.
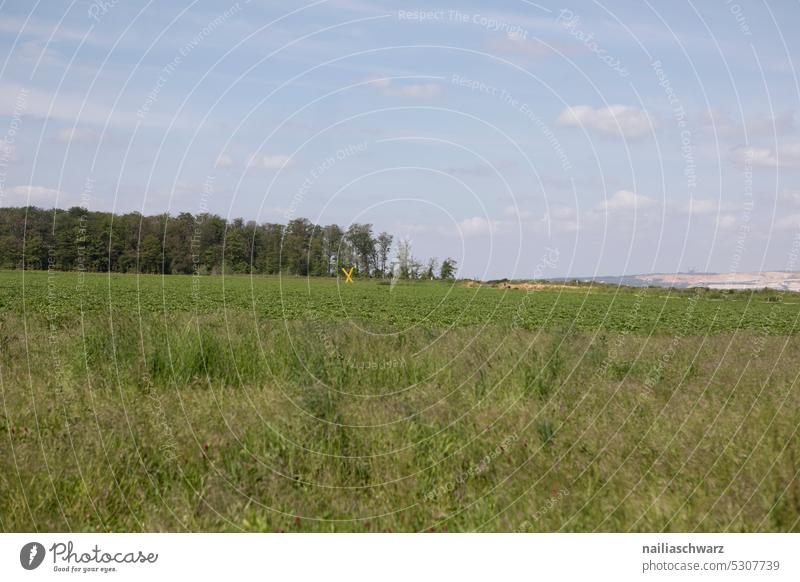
(79, 239)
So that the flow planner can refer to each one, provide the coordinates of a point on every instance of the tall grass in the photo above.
(227, 421)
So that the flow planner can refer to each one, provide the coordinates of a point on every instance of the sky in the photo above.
(522, 139)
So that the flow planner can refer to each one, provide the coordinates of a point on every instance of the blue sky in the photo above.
(629, 137)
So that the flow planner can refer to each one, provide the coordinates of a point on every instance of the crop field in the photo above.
(62, 297)
(180, 403)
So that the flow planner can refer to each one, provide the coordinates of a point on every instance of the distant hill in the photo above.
(782, 280)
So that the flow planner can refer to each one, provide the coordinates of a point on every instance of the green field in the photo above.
(215, 403)
(63, 296)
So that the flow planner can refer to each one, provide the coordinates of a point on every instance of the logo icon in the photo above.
(31, 555)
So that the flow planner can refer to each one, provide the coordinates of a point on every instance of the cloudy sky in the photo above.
(622, 137)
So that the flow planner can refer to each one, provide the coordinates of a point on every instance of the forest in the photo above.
(77, 239)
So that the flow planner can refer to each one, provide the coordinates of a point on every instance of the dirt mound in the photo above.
(530, 286)
(506, 284)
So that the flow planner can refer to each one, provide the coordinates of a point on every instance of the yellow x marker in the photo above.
(349, 275)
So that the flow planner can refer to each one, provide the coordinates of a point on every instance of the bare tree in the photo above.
(430, 270)
(404, 258)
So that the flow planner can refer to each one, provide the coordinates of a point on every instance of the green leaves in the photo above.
(427, 304)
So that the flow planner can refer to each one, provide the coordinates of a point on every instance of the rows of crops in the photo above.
(139, 415)
(63, 296)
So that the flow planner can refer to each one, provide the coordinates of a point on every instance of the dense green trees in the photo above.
(77, 239)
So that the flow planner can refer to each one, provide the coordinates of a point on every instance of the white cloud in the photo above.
(43, 29)
(791, 196)
(791, 221)
(475, 226)
(560, 219)
(262, 162)
(700, 206)
(625, 200)
(68, 106)
(616, 120)
(726, 221)
(424, 91)
(35, 53)
(381, 83)
(33, 196)
(77, 135)
(785, 156)
(413, 91)
(223, 161)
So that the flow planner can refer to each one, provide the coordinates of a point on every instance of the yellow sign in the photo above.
(349, 274)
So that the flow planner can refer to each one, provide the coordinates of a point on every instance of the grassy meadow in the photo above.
(180, 403)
